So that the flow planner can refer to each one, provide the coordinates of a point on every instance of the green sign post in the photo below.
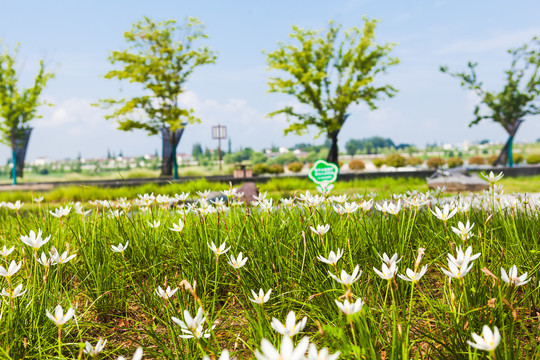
(323, 174)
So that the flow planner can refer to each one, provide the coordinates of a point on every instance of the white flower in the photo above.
(136, 356)
(59, 212)
(382, 208)
(120, 248)
(17, 206)
(512, 278)
(413, 276)
(463, 257)
(394, 209)
(155, 224)
(34, 240)
(238, 262)
(6, 252)
(261, 298)
(163, 199)
(492, 178)
(230, 193)
(165, 294)
(59, 318)
(113, 214)
(289, 203)
(177, 227)
(445, 214)
(11, 270)
(389, 261)
(61, 259)
(204, 194)
(340, 199)
(488, 341)
(417, 201)
(182, 197)
(333, 257)
(43, 260)
(38, 199)
(14, 293)
(457, 271)
(463, 230)
(266, 204)
(367, 205)
(219, 251)
(347, 279)
(321, 229)
(350, 308)
(287, 350)
(94, 351)
(146, 199)
(290, 328)
(192, 327)
(387, 272)
(313, 354)
(224, 356)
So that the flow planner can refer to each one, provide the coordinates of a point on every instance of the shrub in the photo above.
(295, 166)
(415, 161)
(491, 160)
(395, 160)
(261, 168)
(454, 162)
(477, 160)
(435, 162)
(533, 159)
(378, 162)
(276, 169)
(518, 158)
(357, 165)
(284, 158)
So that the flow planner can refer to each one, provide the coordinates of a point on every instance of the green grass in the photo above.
(118, 174)
(114, 294)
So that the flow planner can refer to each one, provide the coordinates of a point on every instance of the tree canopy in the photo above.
(518, 98)
(161, 57)
(18, 106)
(328, 72)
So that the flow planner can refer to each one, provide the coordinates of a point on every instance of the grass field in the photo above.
(322, 258)
(276, 188)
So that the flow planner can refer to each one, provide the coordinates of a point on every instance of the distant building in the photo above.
(41, 161)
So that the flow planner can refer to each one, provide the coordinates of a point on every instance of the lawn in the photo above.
(276, 276)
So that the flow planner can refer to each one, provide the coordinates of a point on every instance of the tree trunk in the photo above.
(333, 153)
(505, 156)
(14, 168)
(169, 166)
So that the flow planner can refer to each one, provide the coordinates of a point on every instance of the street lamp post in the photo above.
(219, 132)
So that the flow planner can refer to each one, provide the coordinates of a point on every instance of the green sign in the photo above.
(323, 173)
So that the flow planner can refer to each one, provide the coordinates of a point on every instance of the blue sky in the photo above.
(76, 37)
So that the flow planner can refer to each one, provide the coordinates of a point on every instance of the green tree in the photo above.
(161, 64)
(197, 151)
(517, 99)
(18, 107)
(328, 73)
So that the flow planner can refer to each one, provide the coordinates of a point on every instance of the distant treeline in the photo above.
(372, 145)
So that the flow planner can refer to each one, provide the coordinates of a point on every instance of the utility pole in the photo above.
(219, 132)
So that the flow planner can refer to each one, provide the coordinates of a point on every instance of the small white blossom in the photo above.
(290, 328)
(350, 308)
(333, 257)
(261, 298)
(512, 277)
(488, 341)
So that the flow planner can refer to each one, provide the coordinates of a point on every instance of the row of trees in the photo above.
(326, 70)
